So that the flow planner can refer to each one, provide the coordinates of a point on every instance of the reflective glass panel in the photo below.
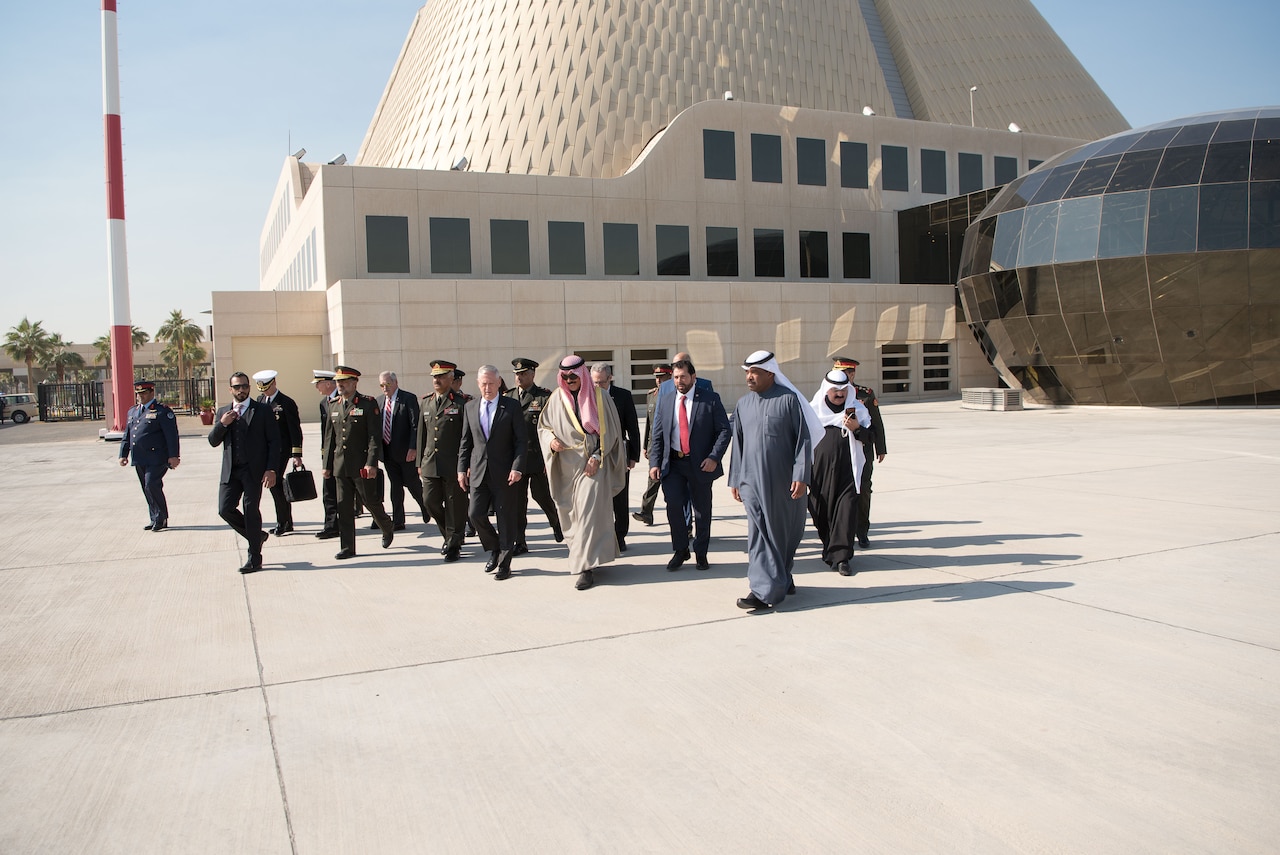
(766, 158)
(1135, 172)
(1234, 131)
(970, 172)
(1171, 220)
(1264, 214)
(566, 248)
(769, 252)
(933, 171)
(1266, 159)
(1227, 162)
(722, 251)
(1078, 287)
(1078, 221)
(1060, 178)
(1157, 139)
(1124, 283)
(672, 244)
(450, 245)
(1124, 224)
(811, 161)
(853, 164)
(1180, 166)
(1004, 253)
(1093, 177)
(813, 255)
(1224, 216)
(621, 249)
(1038, 233)
(857, 255)
(1006, 169)
(719, 161)
(1039, 290)
(893, 167)
(509, 246)
(1195, 134)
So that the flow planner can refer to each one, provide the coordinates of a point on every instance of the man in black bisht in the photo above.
(532, 398)
(602, 377)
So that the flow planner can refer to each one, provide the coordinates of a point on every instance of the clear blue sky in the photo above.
(214, 95)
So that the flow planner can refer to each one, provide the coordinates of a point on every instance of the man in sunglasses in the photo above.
(250, 440)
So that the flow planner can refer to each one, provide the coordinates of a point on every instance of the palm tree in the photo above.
(183, 335)
(27, 342)
(59, 356)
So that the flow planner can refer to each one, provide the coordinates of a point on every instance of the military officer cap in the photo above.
(663, 370)
(843, 362)
(442, 366)
(265, 378)
(318, 374)
(522, 364)
(459, 373)
(141, 385)
(345, 372)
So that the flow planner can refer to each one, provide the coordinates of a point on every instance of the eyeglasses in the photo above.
(385, 385)
(566, 376)
(239, 385)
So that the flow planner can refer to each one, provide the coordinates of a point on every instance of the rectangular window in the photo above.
(722, 251)
(933, 171)
(673, 250)
(766, 158)
(643, 361)
(621, 249)
(811, 161)
(1224, 217)
(937, 367)
(893, 167)
(853, 164)
(1006, 169)
(813, 255)
(450, 245)
(970, 172)
(895, 368)
(770, 260)
(1032, 164)
(857, 255)
(509, 246)
(566, 248)
(719, 160)
(1171, 220)
(386, 241)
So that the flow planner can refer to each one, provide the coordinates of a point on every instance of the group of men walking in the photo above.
(464, 459)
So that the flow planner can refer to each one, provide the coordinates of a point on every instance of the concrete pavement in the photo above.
(1064, 639)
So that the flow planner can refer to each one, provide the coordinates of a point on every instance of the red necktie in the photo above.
(386, 422)
(684, 426)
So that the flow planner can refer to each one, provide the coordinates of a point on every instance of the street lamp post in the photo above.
(972, 89)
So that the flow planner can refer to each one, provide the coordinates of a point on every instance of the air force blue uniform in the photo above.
(151, 435)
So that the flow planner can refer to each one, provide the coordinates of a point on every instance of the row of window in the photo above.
(719, 162)
(387, 244)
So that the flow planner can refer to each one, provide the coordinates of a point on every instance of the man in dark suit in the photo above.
(439, 435)
(650, 497)
(151, 435)
(532, 398)
(351, 452)
(490, 461)
(689, 439)
(290, 424)
(602, 377)
(399, 417)
(250, 441)
(328, 389)
(873, 442)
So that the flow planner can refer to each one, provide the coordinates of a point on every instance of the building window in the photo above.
(893, 167)
(970, 172)
(1006, 169)
(770, 254)
(933, 171)
(895, 368)
(719, 160)
(811, 161)
(722, 251)
(766, 158)
(673, 250)
(813, 255)
(509, 246)
(621, 249)
(386, 241)
(643, 361)
(1032, 164)
(857, 255)
(853, 164)
(450, 245)
(566, 248)
(937, 367)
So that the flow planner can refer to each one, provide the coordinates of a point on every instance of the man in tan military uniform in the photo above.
(439, 435)
(353, 446)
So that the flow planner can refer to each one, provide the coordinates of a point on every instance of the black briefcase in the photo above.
(299, 485)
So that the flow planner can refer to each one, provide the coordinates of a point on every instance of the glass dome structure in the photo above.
(1142, 268)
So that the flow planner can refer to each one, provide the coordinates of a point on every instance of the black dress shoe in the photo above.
(504, 570)
(751, 601)
(520, 549)
(703, 563)
(160, 526)
(373, 526)
(585, 580)
(253, 565)
(622, 544)
(398, 527)
(864, 543)
(639, 517)
(558, 534)
(469, 531)
(327, 533)
(492, 563)
(843, 568)
(678, 559)
(791, 588)
(344, 554)
(387, 537)
(148, 526)
(282, 530)
(452, 554)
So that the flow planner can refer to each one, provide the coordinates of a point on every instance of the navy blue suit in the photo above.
(151, 435)
(683, 481)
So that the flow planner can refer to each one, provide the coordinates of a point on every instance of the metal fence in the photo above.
(66, 402)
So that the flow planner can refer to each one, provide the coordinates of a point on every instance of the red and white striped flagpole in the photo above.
(117, 264)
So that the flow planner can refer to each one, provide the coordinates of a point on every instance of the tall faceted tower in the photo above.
(579, 87)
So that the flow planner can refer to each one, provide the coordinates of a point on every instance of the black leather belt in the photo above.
(675, 453)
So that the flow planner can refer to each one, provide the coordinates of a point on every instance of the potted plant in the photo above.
(206, 411)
